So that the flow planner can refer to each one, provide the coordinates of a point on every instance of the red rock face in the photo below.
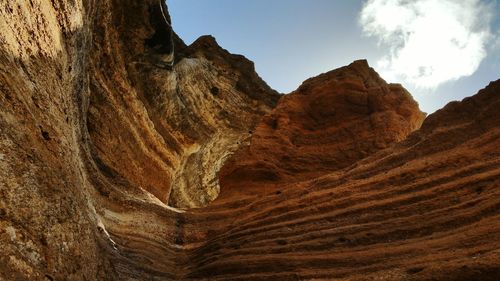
(426, 208)
(100, 140)
(329, 123)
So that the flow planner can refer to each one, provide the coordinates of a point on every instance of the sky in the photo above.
(440, 50)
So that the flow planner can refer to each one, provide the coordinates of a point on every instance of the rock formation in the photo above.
(329, 123)
(112, 160)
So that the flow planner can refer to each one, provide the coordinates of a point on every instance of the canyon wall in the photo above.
(127, 155)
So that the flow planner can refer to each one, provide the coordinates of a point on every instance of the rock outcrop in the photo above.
(116, 139)
(329, 123)
(168, 130)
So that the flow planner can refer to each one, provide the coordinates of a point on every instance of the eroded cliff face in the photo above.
(168, 130)
(329, 123)
(48, 226)
(106, 147)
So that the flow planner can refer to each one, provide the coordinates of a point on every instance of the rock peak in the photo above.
(329, 123)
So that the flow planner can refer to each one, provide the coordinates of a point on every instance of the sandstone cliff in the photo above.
(329, 123)
(116, 139)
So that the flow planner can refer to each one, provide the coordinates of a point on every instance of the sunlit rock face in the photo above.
(168, 130)
(116, 139)
(329, 123)
(48, 219)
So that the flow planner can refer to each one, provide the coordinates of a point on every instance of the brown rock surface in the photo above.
(168, 131)
(98, 133)
(329, 123)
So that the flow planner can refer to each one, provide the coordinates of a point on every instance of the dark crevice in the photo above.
(45, 135)
(215, 91)
(162, 40)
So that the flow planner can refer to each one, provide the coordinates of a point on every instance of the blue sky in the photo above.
(440, 50)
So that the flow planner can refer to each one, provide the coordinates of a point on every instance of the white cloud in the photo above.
(429, 42)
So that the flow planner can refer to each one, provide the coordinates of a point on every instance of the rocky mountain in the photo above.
(127, 155)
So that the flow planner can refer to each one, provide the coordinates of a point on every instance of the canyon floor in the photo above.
(127, 155)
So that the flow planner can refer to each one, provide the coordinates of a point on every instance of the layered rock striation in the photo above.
(172, 127)
(328, 123)
(116, 139)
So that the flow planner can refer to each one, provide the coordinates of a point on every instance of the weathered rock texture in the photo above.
(101, 139)
(168, 131)
(329, 123)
